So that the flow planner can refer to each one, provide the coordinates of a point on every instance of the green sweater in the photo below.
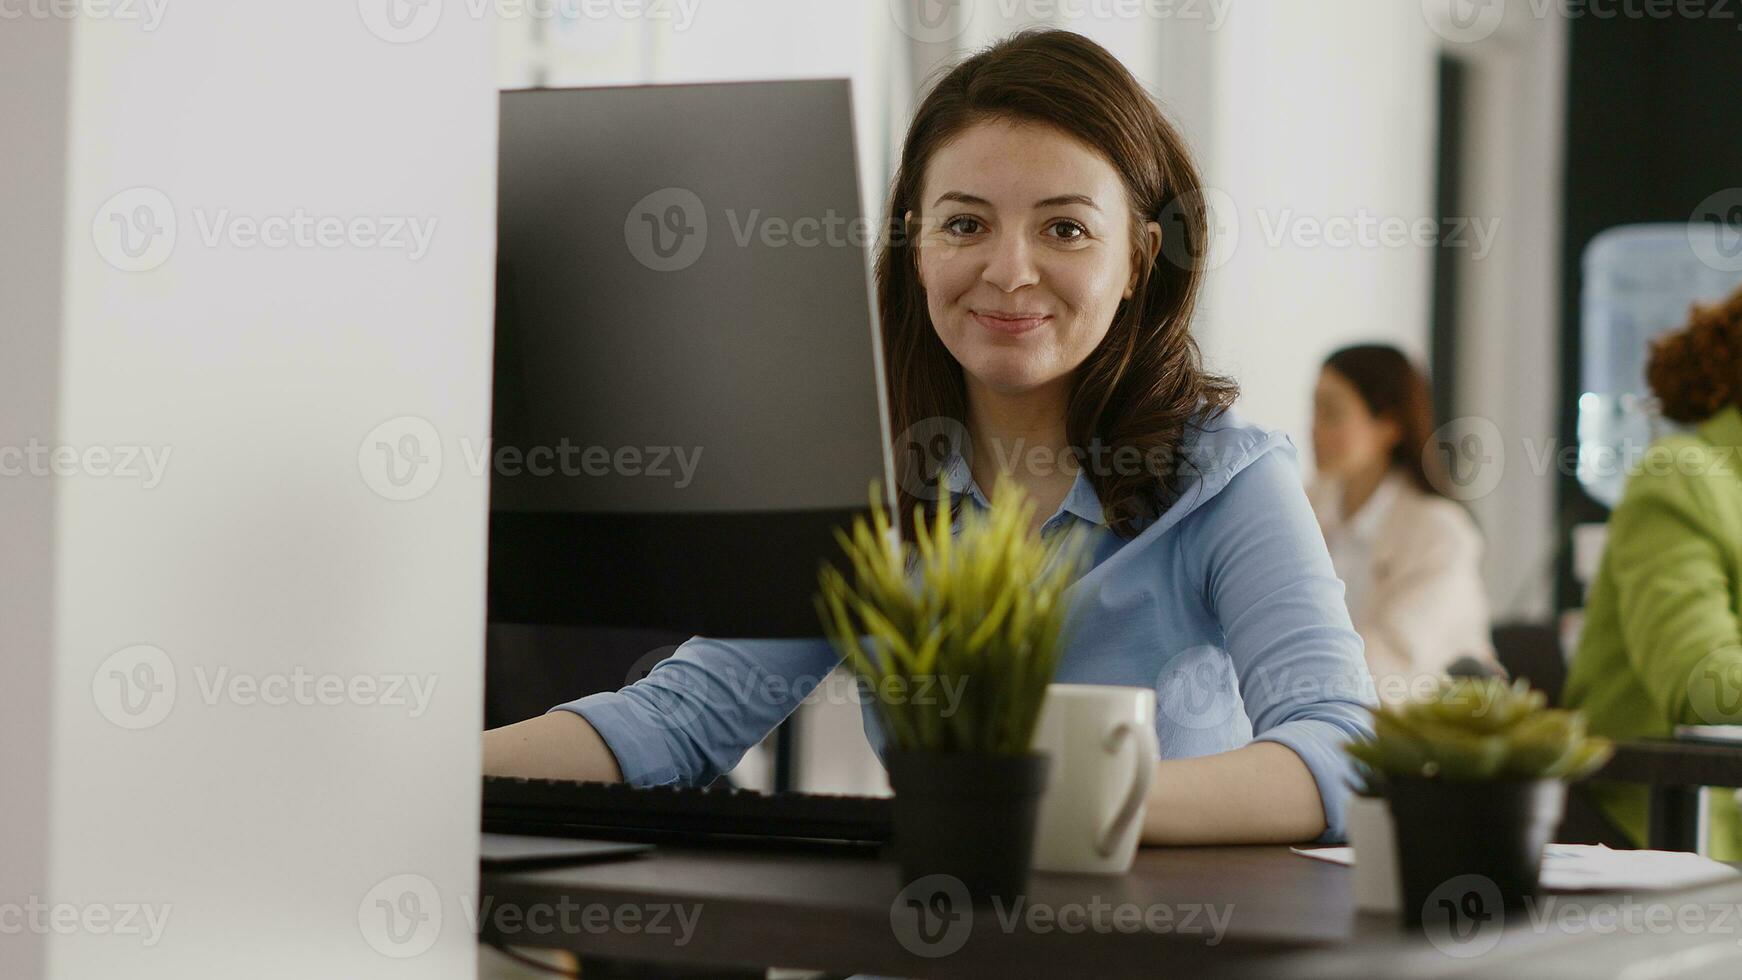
(1661, 643)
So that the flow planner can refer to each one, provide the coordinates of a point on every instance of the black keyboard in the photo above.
(682, 815)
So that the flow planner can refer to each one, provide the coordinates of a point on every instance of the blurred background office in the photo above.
(1515, 195)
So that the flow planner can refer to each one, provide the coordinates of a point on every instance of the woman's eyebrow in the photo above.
(1083, 199)
(966, 198)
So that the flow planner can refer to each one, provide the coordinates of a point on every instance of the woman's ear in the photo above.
(1151, 249)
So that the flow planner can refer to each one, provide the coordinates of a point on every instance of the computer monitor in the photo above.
(689, 390)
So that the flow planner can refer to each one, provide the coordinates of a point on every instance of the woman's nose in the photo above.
(1011, 263)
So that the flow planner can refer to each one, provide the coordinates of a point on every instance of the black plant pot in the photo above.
(970, 816)
(1494, 830)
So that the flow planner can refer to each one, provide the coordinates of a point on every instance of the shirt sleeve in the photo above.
(1678, 627)
(698, 711)
(1297, 659)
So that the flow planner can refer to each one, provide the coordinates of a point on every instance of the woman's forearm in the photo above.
(1259, 794)
(558, 745)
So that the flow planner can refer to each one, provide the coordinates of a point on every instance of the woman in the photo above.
(1409, 557)
(1034, 306)
(1661, 644)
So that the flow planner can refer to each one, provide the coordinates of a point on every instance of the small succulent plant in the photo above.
(981, 611)
(1479, 729)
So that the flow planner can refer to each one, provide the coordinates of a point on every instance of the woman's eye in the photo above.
(1068, 231)
(962, 225)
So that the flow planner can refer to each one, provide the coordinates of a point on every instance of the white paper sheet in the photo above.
(1593, 867)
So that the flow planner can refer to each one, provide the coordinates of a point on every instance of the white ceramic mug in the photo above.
(1103, 747)
(1375, 844)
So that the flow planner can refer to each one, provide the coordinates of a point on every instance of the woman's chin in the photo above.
(1006, 379)
(1009, 372)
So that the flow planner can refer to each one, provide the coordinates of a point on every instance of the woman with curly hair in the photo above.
(1036, 302)
(1662, 645)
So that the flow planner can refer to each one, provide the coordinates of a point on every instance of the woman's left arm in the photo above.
(1260, 794)
(1260, 558)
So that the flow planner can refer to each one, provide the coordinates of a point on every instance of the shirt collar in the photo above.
(1368, 521)
(1080, 502)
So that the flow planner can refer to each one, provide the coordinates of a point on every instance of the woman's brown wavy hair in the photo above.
(1145, 383)
(1696, 372)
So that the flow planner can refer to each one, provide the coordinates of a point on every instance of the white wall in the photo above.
(1321, 112)
(33, 158)
(1328, 110)
(264, 832)
(1508, 366)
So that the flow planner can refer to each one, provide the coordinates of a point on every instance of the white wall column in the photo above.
(242, 658)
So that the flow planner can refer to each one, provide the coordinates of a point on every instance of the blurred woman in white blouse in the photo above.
(1408, 556)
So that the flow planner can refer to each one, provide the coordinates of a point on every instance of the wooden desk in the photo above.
(1223, 911)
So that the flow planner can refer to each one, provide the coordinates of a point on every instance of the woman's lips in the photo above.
(1009, 324)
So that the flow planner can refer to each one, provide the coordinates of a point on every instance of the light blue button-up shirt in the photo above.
(1226, 606)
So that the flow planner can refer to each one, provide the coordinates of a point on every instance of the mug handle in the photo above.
(1142, 772)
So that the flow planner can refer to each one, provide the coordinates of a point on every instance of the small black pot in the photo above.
(967, 815)
(1447, 829)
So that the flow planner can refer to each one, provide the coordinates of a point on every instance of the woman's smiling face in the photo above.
(1024, 252)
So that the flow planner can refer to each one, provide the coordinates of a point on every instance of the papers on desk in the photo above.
(1593, 867)
(1710, 733)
